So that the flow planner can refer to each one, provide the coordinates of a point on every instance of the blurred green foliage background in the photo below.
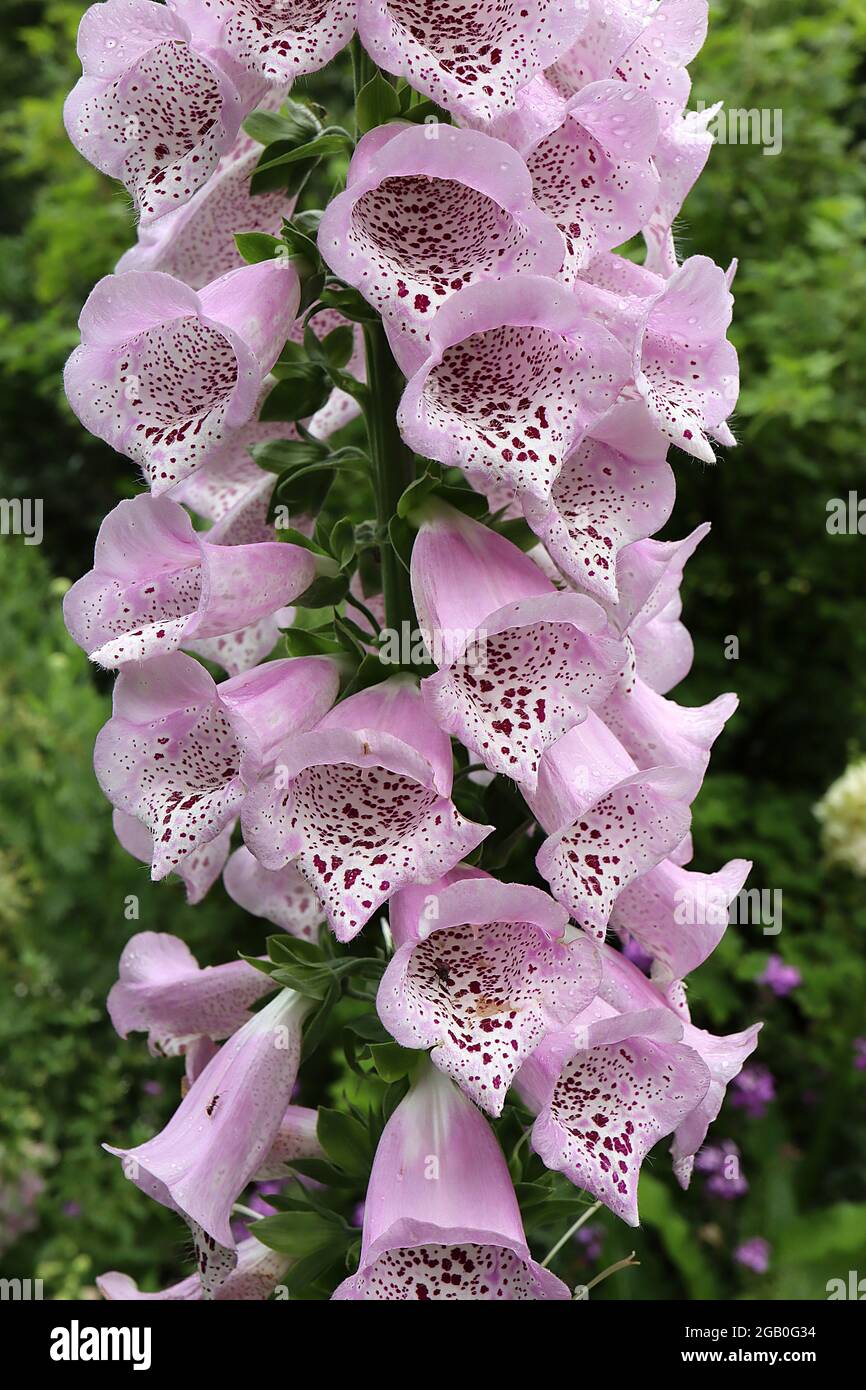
(769, 575)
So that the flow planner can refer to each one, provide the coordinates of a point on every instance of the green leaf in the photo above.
(342, 541)
(288, 179)
(393, 1061)
(426, 112)
(283, 455)
(313, 1266)
(322, 1172)
(294, 949)
(328, 143)
(302, 391)
(339, 345)
(301, 643)
(308, 221)
(376, 103)
(314, 981)
(255, 247)
(301, 490)
(335, 350)
(349, 302)
(293, 123)
(292, 537)
(370, 672)
(345, 1140)
(415, 494)
(324, 592)
(316, 1024)
(344, 381)
(402, 537)
(299, 1233)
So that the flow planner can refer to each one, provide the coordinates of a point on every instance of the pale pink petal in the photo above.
(362, 812)
(677, 916)
(161, 378)
(278, 40)
(486, 984)
(178, 748)
(600, 502)
(517, 375)
(593, 175)
(609, 1106)
(162, 991)
(222, 1130)
(656, 731)
(467, 55)
(281, 896)
(155, 113)
(257, 1272)
(196, 243)
(424, 217)
(680, 155)
(156, 584)
(199, 870)
(441, 1221)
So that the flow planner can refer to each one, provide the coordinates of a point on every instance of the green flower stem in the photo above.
(363, 66)
(393, 463)
(393, 469)
(572, 1230)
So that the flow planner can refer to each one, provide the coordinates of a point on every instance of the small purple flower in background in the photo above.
(152, 1088)
(754, 1254)
(72, 1210)
(860, 1054)
(257, 1202)
(779, 977)
(721, 1163)
(753, 1090)
(592, 1240)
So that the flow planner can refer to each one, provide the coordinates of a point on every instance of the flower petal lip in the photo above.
(593, 175)
(484, 982)
(281, 896)
(622, 835)
(195, 243)
(139, 60)
(336, 818)
(524, 440)
(548, 646)
(656, 731)
(277, 40)
(626, 988)
(679, 916)
(162, 990)
(151, 347)
(180, 753)
(422, 218)
(601, 501)
(684, 368)
(258, 1270)
(470, 57)
(157, 583)
(680, 156)
(200, 869)
(518, 660)
(599, 1145)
